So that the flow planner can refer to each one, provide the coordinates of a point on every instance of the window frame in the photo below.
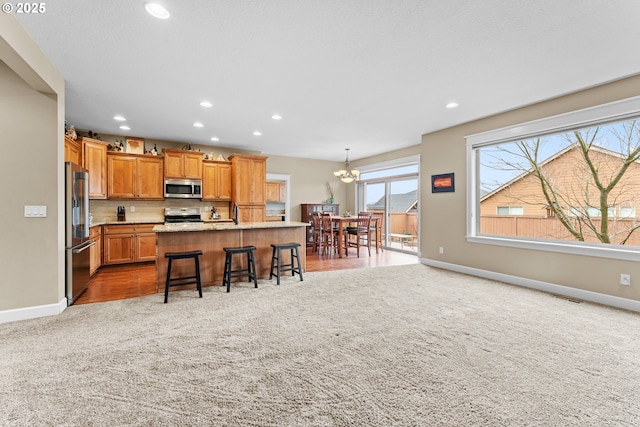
(624, 109)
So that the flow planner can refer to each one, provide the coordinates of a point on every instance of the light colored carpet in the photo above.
(389, 346)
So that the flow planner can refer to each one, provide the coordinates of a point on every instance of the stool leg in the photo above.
(279, 264)
(293, 271)
(252, 267)
(199, 284)
(273, 258)
(166, 286)
(298, 262)
(227, 272)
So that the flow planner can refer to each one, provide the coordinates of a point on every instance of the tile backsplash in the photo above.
(150, 210)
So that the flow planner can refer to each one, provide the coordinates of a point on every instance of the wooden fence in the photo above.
(551, 228)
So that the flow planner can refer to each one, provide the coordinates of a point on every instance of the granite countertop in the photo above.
(171, 228)
(97, 223)
(142, 221)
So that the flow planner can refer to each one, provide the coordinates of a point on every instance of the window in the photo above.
(627, 212)
(568, 183)
(510, 210)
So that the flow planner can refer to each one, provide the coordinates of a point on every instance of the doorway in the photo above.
(394, 192)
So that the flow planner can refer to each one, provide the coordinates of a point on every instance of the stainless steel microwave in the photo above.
(183, 188)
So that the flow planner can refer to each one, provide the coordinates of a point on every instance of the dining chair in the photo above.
(316, 224)
(376, 228)
(329, 238)
(362, 233)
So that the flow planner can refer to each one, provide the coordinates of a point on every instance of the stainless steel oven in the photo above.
(183, 188)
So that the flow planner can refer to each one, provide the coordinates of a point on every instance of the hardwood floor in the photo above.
(134, 280)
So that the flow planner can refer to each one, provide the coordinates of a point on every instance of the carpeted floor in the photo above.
(389, 346)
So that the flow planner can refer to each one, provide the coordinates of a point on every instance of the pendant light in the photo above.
(347, 175)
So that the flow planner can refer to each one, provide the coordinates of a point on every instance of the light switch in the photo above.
(35, 211)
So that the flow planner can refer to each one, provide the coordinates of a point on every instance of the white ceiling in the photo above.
(370, 75)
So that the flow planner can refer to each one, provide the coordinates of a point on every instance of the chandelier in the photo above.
(347, 175)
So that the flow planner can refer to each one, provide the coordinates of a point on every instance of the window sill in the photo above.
(602, 250)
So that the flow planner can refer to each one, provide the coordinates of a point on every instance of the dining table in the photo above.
(341, 222)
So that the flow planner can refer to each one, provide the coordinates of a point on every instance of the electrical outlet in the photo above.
(132, 209)
(441, 250)
(625, 279)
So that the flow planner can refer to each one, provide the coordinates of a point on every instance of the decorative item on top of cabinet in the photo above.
(216, 180)
(95, 161)
(248, 182)
(134, 176)
(182, 163)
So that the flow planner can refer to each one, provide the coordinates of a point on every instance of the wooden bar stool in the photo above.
(250, 271)
(183, 280)
(294, 267)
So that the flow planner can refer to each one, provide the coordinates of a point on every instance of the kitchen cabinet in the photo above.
(95, 161)
(124, 244)
(308, 209)
(72, 151)
(133, 176)
(275, 192)
(95, 251)
(248, 182)
(182, 164)
(252, 213)
(216, 180)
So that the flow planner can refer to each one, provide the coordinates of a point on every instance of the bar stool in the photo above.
(250, 271)
(275, 260)
(183, 280)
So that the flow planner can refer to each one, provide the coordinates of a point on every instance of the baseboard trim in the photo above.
(33, 312)
(595, 297)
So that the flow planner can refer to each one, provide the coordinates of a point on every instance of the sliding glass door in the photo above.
(393, 192)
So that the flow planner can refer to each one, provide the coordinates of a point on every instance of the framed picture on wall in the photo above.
(443, 183)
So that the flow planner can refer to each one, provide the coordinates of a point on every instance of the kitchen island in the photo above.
(211, 238)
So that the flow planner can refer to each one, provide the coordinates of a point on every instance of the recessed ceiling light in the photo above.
(452, 105)
(125, 127)
(198, 124)
(215, 138)
(206, 104)
(157, 11)
(276, 117)
(257, 133)
(119, 118)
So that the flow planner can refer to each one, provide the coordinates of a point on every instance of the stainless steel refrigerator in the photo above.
(76, 230)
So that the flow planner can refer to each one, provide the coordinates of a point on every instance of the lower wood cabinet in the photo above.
(95, 251)
(129, 243)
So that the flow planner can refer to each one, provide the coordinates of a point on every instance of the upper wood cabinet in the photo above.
(182, 164)
(72, 151)
(95, 161)
(248, 178)
(275, 192)
(132, 176)
(216, 180)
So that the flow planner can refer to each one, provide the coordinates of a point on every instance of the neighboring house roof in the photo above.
(397, 202)
(560, 153)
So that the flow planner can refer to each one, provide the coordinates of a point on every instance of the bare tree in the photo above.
(585, 197)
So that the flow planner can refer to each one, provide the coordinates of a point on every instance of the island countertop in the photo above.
(212, 238)
(172, 228)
